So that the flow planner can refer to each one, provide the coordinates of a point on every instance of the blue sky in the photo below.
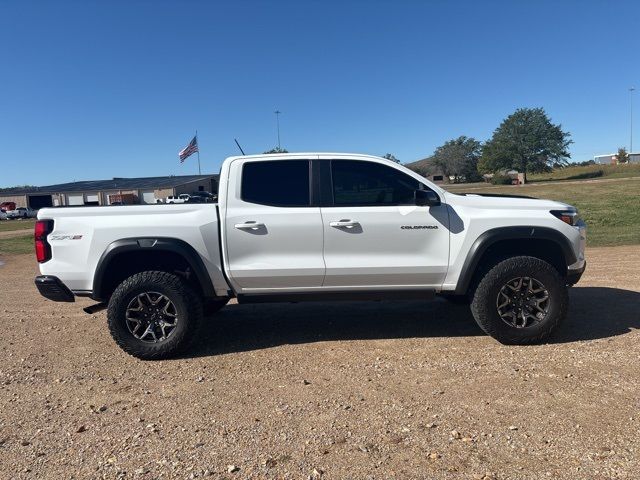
(93, 90)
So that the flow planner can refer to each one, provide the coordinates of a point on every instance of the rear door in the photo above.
(148, 196)
(374, 234)
(75, 199)
(273, 234)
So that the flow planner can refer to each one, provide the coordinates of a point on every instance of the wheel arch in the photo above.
(128, 256)
(498, 243)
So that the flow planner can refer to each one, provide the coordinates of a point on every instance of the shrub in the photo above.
(585, 175)
(499, 179)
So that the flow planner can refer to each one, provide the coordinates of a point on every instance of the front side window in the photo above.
(359, 183)
(279, 183)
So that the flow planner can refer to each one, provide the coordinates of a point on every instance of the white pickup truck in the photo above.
(319, 227)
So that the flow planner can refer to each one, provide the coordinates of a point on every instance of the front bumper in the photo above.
(52, 288)
(574, 275)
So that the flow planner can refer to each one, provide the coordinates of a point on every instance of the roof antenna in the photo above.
(239, 146)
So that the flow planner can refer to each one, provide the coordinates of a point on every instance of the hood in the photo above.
(494, 200)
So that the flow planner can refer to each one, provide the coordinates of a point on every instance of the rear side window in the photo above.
(280, 183)
(358, 183)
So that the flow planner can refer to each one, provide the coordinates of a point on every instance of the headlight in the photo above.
(569, 217)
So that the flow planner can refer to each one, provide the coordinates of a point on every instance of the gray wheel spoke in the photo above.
(542, 298)
(139, 306)
(505, 302)
(163, 328)
(166, 309)
(159, 299)
(539, 308)
(145, 296)
(147, 331)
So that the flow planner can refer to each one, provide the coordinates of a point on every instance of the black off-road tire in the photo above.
(484, 297)
(213, 305)
(188, 305)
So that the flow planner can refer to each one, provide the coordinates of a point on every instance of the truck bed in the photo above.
(81, 235)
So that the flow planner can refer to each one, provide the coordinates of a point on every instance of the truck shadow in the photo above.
(595, 312)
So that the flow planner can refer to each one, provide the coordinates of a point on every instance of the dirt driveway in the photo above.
(347, 390)
(16, 233)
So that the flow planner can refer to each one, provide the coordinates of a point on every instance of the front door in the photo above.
(273, 235)
(375, 235)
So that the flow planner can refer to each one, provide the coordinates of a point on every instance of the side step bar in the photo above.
(94, 308)
(352, 296)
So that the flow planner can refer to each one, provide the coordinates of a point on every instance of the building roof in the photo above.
(113, 184)
(426, 167)
(614, 154)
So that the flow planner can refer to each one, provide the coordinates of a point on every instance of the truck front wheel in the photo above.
(521, 300)
(154, 315)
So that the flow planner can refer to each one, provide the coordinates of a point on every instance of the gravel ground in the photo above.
(333, 391)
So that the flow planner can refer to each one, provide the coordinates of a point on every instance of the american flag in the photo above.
(189, 149)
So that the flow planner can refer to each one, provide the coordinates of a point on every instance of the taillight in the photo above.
(43, 249)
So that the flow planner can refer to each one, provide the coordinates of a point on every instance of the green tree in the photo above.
(586, 163)
(622, 156)
(458, 158)
(526, 141)
(390, 156)
(277, 150)
(26, 187)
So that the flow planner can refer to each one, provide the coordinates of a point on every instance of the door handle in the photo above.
(249, 226)
(344, 224)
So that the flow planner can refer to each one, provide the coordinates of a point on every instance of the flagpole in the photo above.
(199, 172)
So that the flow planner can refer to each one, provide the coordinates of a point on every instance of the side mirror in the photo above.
(427, 198)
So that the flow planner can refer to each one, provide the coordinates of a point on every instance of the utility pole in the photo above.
(278, 112)
(631, 119)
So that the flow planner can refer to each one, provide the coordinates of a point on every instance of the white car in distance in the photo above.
(182, 198)
(22, 212)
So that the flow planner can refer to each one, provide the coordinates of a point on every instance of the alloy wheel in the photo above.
(523, 302)
(151, 317)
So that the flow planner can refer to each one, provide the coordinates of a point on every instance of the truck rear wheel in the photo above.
(154, 315)
(521, 300)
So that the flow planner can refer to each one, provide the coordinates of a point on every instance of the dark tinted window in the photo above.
(282, 183)
(367, 183)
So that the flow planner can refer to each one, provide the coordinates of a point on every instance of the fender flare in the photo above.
(165, 244)
(490, 237)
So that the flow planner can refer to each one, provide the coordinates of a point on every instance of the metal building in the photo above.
(611, 158)
(144, 190)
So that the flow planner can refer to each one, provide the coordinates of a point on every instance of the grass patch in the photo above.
(588, 171)
(10, 225)
(16, 245)
(610, 209)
